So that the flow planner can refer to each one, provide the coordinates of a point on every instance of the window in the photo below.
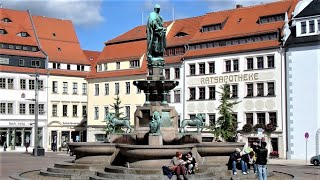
(10, 108)
(22, 108)
(167, 73)
(192, 93)
(2, 83)
(40, 84)
(138, 90)
(84, 111)
(81, 67)
(106, 89)
(249, 90)
(118, 65)
(75, 110)
(169, 97)
(99, 67)
(84, 88)
(236, 65)
(127, 111)
(249, 63)
(192, 69)
(228, 66)
(11, 46)
(249, 118)
(31, 109)
(127, 87)
(65, 110)
(3, 31)
(65, 88)
(31, 84)
(202, 68)
(318, 25)
(2, 108)
(270, 88)
(260, 89)
(96, 113)
(68, 66)
(17, 47)
(106, 66)
(21, 62)
(212, 119)
(41, 109)
(303, 27)
(106, 111)
(56, 65)
(75, 88)
(212, 92)
(24, 34)
(214, 27)
(7, 20)
(311, 26)
(177, 73)
(202, 92)
(177, 96)
(55, 86)
(35, 63)
(54, 110)
(96, 91)
(22, 84)
(10, 83)
(271, 18)
(134, 63)
(270, 61)
(260, 62)
(117, 88)
(273, 118)
(234, 91)
(34, 49)
(211, 68)
(261, 118)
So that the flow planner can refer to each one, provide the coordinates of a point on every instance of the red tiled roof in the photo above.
(173, 59)
(232, 49)
(22, 53)
(123, 51)
(242, 21)
(65, 38)
(62, 72)
(92, 55)
(16, 69)
(20, 23)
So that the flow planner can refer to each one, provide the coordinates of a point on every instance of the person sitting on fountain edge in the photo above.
(190, 163)
(235, 158)
(177, 165)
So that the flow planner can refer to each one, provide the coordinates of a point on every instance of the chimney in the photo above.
(239, 6)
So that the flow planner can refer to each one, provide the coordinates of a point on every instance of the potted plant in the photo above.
(247, 128)
(270, 127)
(257, 126)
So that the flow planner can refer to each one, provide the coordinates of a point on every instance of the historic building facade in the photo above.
(302, 76)
(21, 60)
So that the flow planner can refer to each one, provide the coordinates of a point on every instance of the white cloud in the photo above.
(81, 12)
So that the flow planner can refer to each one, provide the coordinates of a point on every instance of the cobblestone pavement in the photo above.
(17, 162)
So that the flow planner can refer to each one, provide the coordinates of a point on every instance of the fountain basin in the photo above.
(151, 85)
(83, 149)
(218, 148)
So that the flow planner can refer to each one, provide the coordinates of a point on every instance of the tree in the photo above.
(116, 107)
(226, 125)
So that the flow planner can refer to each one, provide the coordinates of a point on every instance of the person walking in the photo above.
(261, 161)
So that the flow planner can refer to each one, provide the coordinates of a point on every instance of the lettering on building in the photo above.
(229, 78)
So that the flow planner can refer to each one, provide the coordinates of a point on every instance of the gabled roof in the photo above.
(241, 21)
(92, 55)
(65, 38)
(20, 23)
(311, 10)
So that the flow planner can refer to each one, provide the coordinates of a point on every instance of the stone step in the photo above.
(119, 169)
(79, 172)
(53, 174)
(71, 165)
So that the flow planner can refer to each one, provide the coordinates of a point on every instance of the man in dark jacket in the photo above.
(235, 158)
(261, 161)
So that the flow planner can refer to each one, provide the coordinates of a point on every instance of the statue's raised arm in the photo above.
(156, 38)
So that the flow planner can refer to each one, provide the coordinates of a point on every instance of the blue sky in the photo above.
(97, 21)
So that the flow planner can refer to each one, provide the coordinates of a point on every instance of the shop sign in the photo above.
(14, 123)
(70, 123)
(229, 78)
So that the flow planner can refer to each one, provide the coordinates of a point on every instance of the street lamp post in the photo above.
(36, 114)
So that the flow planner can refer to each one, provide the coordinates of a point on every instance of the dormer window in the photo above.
(213, 27)
(54, 34)
(23, 34)
(59, 49)
(3, 31)
(181, 34)
(134, 64)
(271, 18)
(311, 26)
(7, 20)
(303, 27)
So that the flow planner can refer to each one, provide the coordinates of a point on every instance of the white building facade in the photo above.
(255, 80)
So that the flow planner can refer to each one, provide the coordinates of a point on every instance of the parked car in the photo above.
(315, 160)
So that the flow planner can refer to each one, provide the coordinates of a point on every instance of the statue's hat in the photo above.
(157, 6)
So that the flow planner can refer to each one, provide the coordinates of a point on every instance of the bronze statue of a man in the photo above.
(156, 36)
